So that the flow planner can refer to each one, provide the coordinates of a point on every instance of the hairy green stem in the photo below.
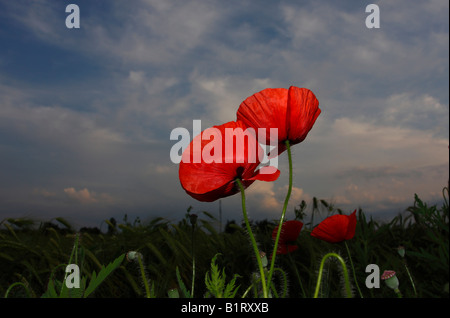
(252, 239)
(17, 284)
(344, 268)
(283, 213)
(411, 279)
(353, 269)
(398, 293)
(298, 275)
(144, 278)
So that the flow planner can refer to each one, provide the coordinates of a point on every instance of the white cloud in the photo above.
(53, 125)
(264, 195)
(85, 196)
(361, 142)
(373, 165)
(268, 198)
(220, 97)
(421, 112)
(384, 94)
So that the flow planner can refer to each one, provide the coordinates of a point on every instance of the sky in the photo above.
(86, 113)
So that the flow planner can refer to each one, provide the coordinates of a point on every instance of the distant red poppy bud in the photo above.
(336, 228)
(292, 111)
(213, 175)
(290, 230)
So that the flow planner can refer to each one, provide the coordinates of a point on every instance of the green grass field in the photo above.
(33, 257)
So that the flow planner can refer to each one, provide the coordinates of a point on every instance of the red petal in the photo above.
(293, 112)
(351, 228)
(209, 181)
(303, 110)
(336, 228)
(290, 230)
(285, 249)
(266, 109)
(267, 173)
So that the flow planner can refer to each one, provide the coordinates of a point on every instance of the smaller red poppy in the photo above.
(336, 228)
(290, 231)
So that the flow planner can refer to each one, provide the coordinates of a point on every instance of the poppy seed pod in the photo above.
(390, 279)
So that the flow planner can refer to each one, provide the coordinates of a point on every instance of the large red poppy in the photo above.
(290, 231)
(217, 157)
(292, 111)
(336, 228)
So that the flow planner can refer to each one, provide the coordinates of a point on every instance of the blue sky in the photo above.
(86, 114)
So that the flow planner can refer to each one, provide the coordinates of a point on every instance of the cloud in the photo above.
(264, 195)
(369, 142)
(268, 199)
(44, 193)
(417, 112)
(220, 96)
(131, 74)
(52, 124)
(85, 196)
(361, 162)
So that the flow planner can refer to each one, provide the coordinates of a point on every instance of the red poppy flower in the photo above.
(336, 228)
(217, 157)
(290, 231)
(292, 111)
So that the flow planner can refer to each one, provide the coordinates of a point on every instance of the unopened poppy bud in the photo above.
(263, 258)
(133, 255)
(401, 251)
(193, 219)
(173, 293)
(391, 280)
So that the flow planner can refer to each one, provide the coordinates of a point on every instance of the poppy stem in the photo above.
(353, 268)
(296, 272)
(144, 278)
(410, 278)
(193, 260)
(283, 213)
(344, 269)
(252, 239)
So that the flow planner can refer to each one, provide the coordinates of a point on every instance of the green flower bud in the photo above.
(173, 293)
(193, 219)
(133, 256)
(263, 259)
(401, 251)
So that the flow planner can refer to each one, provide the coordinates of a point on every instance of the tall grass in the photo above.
(31, 254)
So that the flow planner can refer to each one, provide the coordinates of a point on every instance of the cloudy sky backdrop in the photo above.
(86, 114)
